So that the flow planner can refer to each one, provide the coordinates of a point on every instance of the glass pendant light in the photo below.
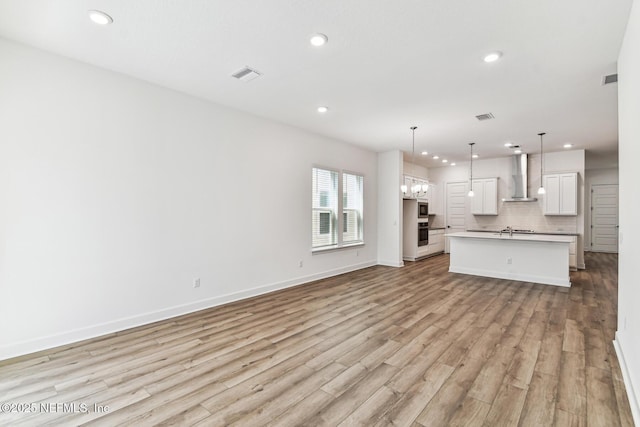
(541, 190)
(417, 190)
(470, 193)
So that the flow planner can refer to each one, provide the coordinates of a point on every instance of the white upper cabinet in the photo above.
(561, 197)
(433, 196)
(485, 196)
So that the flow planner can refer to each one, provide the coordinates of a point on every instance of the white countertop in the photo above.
(519, 237)
(553, 233)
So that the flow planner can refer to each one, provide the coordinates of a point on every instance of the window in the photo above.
(353, 197)
(325, 223)
(329, 216)
(325, 207)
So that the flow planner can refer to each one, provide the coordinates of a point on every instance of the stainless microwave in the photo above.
(423, 210)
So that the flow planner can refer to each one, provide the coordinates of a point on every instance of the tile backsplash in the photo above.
(523, 216)
(519, 215)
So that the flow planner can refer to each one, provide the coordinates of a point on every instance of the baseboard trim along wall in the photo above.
(631, 394)
(391, 263)
(94, 331)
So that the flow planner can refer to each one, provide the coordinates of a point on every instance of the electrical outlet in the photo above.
(196, 282)
(509, 260)
(300, 263)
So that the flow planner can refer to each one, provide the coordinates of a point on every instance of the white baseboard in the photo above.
(46, 342)
(631, 394)
(391, 263)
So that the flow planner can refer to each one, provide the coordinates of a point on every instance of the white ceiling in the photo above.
(388, 64)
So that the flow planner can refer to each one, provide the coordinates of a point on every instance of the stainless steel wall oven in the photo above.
(423, 233)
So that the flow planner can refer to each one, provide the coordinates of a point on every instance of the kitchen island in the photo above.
(524, 257)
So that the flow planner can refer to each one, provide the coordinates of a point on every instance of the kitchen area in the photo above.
(506, 229)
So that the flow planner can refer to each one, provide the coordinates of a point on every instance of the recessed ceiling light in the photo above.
(518, 151)
(568, 145)
(424, 153)
(100, 18)
(493, 56)
(445, 161)
(323, 109)
(475, 156)
(436, 157)
(453, 164)
(318, 39)
(508, 144)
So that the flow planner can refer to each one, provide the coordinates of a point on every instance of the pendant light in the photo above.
(541, 190)
(417, 190)
(470, 193)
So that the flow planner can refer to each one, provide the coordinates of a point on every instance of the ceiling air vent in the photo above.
(611, 78)
(246, 74)
(487, 116)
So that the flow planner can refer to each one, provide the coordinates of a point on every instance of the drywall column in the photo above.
(627, 343)
(390, 208)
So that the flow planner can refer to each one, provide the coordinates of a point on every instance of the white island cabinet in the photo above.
(523, 257)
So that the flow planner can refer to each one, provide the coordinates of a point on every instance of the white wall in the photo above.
(598, 160)
(115, 194)
(628, 334)
(415, 170)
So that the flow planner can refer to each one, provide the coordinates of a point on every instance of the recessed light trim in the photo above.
(322, 109)
(518, 151)
(436, 157)
(99, 17)
(493, 56)
(475, 156)
(424, 153)
(567, 145)
(445, 161)
(508, 144)
(318, 39)
(453, 164)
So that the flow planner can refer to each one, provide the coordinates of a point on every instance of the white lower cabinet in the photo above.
(573, 255)
(436, 241)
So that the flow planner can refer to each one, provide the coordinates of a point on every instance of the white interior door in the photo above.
(455, 205)
(604, 218)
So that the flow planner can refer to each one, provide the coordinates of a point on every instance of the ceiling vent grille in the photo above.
(611, 78)
(487, 116)
(246, 74)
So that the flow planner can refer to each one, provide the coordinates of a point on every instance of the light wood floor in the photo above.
(380, 346)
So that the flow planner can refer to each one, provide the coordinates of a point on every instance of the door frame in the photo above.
(446, 209)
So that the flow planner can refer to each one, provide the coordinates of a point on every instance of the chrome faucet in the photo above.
(509, 229)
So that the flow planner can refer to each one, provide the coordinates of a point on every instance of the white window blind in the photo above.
(325, 208)
(336, 224)
(352, 204)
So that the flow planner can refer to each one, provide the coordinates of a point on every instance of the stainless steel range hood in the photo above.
(519, 180)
